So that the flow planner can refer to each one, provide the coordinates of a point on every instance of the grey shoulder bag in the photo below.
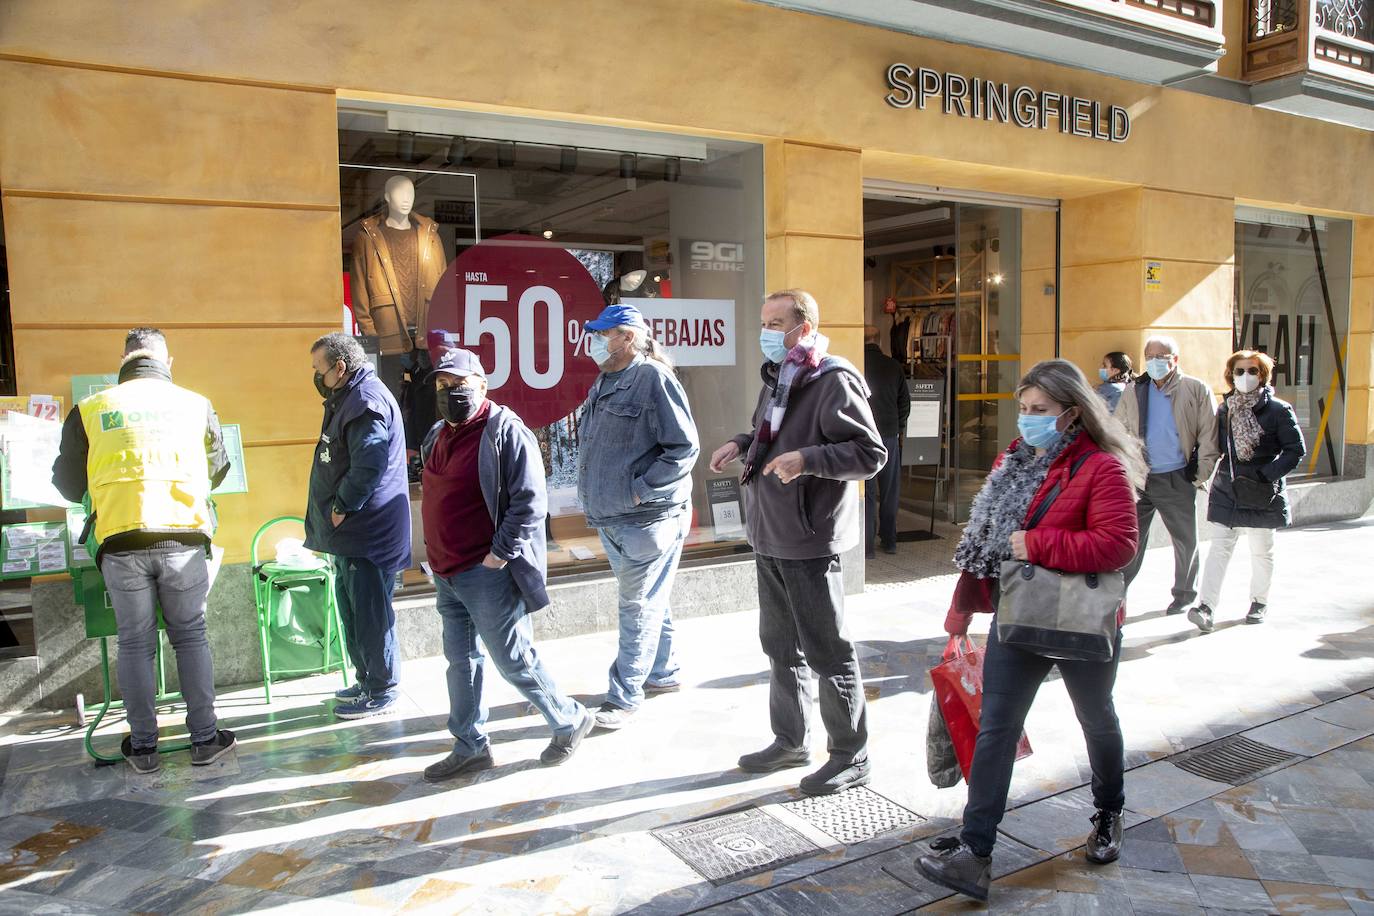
(1056, 614)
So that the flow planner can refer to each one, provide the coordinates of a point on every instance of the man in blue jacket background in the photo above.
(359, 511)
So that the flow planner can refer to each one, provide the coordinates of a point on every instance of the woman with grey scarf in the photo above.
(1260, 444)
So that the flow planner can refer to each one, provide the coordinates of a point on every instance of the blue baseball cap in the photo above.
(457, 361)
(615, 316)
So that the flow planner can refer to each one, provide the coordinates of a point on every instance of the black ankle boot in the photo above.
(956, 867)
(1104, 843)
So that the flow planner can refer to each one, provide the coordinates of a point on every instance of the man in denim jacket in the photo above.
(637, 447)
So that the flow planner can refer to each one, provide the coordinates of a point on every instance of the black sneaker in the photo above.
(889, 547)
(455, 764)
(1104, 843)
(612, 717)
(956, 867)
(1201, 617)
(562, 747)
(775, 757)
(1175, 608)
(1256, 612)
(205, 753)
(143, 760)
(836, 776)
(350, 693)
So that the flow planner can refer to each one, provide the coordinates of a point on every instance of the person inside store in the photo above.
(1174, 415)
(483, 511)
(813, 440)
(637, 445)
(358, 511)
(1069, 445)
(149, 452)
(1260, 444)
(890, 401)
(1115, 375)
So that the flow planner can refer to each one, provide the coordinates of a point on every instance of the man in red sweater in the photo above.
(483, 509)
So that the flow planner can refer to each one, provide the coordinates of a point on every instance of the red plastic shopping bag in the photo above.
(958, 683)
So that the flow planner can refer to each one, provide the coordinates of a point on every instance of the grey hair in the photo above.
(804, 307)
(641, 340)
(339, 346)
(1065, 384)
(1165, 341)
(144, 339)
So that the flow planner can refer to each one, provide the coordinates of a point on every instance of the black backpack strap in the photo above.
(1053, 494)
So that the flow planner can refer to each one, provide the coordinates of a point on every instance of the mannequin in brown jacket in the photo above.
(397, 262)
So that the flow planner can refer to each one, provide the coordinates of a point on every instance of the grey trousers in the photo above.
(1174, 497)
(178, 579)
(801, 626)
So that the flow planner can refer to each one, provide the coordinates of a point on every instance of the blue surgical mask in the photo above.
(1039, 430)
(1103, 374)
(598, 348)
(773, 344)
(1157, 368)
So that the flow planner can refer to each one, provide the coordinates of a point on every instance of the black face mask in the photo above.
(458, 404)
(320, 386)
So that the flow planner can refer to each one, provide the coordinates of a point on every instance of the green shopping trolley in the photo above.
(298, 616)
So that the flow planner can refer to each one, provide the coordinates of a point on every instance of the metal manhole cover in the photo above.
(1235, 760)
(728, 847)
(853, 816)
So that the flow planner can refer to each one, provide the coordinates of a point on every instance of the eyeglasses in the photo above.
(1238, 371)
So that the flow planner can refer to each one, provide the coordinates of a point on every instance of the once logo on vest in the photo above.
(122, 419)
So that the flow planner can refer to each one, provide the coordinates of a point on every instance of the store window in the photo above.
(508, 234)
(1292, 301)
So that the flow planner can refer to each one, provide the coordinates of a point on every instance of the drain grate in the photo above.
(728, 847)
(1235, 760)
(853, 816)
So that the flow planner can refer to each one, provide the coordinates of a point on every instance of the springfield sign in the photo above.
(987, 100)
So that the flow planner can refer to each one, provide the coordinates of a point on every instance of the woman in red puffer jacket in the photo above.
(1067, 439)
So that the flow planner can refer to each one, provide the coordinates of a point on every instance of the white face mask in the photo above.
(1246, 383)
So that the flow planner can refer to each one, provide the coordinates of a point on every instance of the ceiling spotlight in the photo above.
(405, 146)
(658, 278)
(997, 279)
(457, 151)
(629, 165)
(505, 155)
(567, 159)
(672, 168)
(548, 231)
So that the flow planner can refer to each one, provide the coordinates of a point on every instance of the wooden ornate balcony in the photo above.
(1312, 57)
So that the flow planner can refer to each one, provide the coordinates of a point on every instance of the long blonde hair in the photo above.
(1066, 385)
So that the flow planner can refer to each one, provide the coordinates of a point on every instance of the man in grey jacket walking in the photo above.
(814, 438)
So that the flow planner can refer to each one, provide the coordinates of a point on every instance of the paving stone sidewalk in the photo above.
(310, 811)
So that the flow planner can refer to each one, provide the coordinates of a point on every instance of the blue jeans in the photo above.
(178, 579)
(644, 560)
(1011, 678)
(485, 602)
(363, 592)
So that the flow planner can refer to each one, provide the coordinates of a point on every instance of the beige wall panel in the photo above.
(89, 131)
(1101, 296)
(1189, 228)
(1201, 353)
(1191, 295)
(1359, 419)
(832, 270)
(824, 190)
(1037, 309)
(258, 378)
(1362, 304)
(1235, 18)
(775, 188)
(1363, 263)
(1357, 374)
(1034, 348)
(728, 83)
(775, 264)
(135, 263)
(278, 481)
(1104, 227)
(1037, 240)
(1085, 349)
(847, 342)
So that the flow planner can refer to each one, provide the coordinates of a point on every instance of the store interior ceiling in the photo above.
(894, 227)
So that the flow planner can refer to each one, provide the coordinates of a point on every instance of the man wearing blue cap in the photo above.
(637, 445)
(483, 509)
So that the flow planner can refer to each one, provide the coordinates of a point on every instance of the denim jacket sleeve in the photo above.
(522, 478)
(677, 437)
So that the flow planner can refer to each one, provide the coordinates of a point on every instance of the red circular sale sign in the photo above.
(520, 304)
